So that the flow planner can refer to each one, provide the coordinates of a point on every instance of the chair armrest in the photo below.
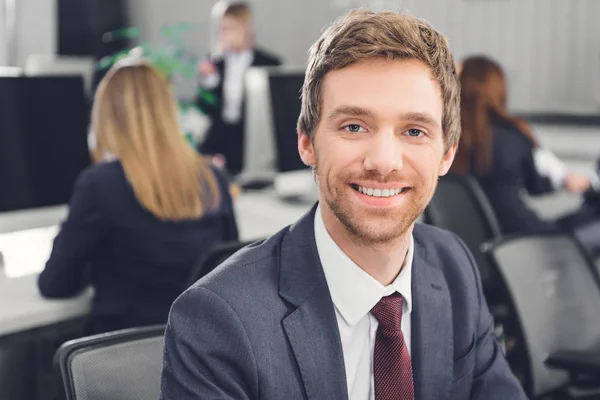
(575, 362)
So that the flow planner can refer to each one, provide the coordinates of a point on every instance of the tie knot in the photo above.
(388, 312)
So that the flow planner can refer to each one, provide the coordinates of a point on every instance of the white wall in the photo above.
(550, 48)
(36, 28)
(150, 15)
(2, 35)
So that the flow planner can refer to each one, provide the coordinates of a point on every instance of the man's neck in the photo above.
(382, 261)
(240, 50)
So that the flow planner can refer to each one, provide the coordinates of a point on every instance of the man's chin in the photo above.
(379, 239)
(373, 233)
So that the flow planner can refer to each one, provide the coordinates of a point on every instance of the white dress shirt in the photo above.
(236, 65)
(551, 167)
(354, 294)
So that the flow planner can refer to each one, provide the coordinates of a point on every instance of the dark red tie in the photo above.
(392, 369)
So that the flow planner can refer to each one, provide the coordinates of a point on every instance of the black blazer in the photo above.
(261, 59)
(512, 171)
(136, 263)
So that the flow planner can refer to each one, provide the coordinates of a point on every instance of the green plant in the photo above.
(172, 59)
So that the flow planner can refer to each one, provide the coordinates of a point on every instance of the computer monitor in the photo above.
(285, 87)
(259, 148)
(271, 111)
(55, 65)
(293, 180)
(43, 140)
(271, 150)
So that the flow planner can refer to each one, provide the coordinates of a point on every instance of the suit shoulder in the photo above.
(511, 135)
(441, 245)
(109, 185)
(103, 172)
(101, 177)
(433, 234)
(250, 271)
(264, 58)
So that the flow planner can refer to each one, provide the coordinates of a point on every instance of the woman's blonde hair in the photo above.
(134, 117)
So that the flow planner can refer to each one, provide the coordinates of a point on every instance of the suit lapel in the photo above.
(256, 59)
(311, 327)
(432, 331)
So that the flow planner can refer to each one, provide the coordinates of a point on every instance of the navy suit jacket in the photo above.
(136, 263)
(263, 326)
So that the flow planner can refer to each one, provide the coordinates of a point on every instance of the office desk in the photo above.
(22, 308)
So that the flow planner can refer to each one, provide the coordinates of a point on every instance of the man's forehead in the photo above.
(368, 85)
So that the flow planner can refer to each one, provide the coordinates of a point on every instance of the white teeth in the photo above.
(379, 192)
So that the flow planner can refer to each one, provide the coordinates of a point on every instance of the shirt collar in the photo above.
(245, 56)
(353, 291)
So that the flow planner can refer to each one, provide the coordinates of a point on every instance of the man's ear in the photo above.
(447, 160)
(306, 149)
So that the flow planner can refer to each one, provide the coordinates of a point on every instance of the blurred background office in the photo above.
(543, 288)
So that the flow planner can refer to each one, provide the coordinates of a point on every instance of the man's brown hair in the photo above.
(239, 10)
(362, 35)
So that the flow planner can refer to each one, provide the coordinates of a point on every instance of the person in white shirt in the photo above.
(221, 79)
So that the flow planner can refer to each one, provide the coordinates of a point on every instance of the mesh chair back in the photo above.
(460, 206)
(124, 365)
(556, 298)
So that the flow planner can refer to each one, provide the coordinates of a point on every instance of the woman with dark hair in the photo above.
(501, 151)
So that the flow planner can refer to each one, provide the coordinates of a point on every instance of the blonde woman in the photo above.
(138, 223)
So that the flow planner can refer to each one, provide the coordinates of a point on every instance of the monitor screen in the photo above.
(285, 88)
(43, 140)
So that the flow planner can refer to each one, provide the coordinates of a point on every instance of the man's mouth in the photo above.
(379, 192)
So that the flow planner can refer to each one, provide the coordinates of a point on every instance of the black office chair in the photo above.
(459, 205)
(214, 258)
(124, 365)
(555, 296)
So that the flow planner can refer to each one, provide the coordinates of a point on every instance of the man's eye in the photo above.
(354, 128)
(415, 132)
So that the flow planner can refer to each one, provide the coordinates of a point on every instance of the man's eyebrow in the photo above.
(353, 111)
(422, 118)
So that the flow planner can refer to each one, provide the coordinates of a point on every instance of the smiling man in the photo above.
(354, 301)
